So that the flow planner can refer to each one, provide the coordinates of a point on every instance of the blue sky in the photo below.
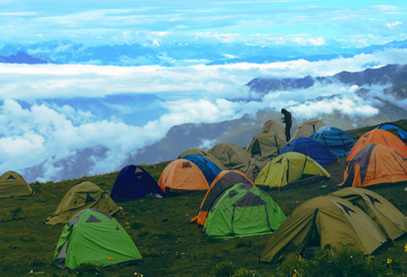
(302, 22)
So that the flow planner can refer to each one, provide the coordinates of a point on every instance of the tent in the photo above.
(266, 144)
(79, 197)
(225, 180)
(230, 155)
(335, 140)
(311, 148)
(375, 164)
(307, 128)
(400, 132)
(13, 184)
(275, 126)
(182, 176)
(391, 221)
(325, 221)
(94, 237)
(133, 182)
(290, 169)
(208, 168)
(243, 210)
(203, 153)
(254, 166)
(381, 137)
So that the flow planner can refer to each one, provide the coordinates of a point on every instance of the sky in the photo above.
(297, 22)
(50, 113)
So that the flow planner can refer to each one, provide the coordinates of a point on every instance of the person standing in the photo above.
(288, 122)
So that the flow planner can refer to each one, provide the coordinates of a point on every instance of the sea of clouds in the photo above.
(49, 113)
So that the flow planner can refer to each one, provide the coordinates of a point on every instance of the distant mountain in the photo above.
(390, 74)
(176, 54)
(23, 58)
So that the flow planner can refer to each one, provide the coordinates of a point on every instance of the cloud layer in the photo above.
(51, 113)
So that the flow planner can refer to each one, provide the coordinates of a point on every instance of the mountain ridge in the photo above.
(176, 54)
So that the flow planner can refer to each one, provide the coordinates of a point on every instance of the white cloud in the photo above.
(392, 24)
(48, 133)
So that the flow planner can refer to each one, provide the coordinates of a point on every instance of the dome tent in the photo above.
(335, 140)
(208, 168)
(290, 169)
(13, 184)
(391, 221)
(375, 164)
(133, 182)
(311, 148)
(225, 180)
(182, 176)
(275, 126)
(230, 155)
(308, 127)
(266, 144)
(79, 197)
(381, 137)
(243, 210)
(203, 153)
(400, 132)
(94, 237)
(353, 217)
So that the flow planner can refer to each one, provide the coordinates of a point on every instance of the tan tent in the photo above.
(325, 221)
(266, 144)
(203, 153)
(391, 221)
(307, 128)
(82, 196)
(13, 184)
(275, 126)
(230, 155)
(182, 176)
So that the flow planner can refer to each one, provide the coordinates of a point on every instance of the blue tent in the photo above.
(133, 182)
(208, 168)
(335, 140)
(311, 148)
(401, 133)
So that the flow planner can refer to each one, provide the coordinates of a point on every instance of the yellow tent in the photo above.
(290, 169)
(82, 196)
(13, 184)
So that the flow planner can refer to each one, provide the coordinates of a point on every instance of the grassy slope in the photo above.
(169, 243)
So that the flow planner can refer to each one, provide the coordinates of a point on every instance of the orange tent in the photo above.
(379, 136)
(224, 180)
(375, 164)
(182, 176)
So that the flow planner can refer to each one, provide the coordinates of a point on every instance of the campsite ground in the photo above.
(161, 229)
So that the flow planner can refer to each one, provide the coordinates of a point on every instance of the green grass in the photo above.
(161, 229)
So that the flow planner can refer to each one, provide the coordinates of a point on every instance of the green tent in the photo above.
(82, 196)
(13, 184)
(230, 155)
(391, 221)
(290, 169)
(243, 210)
(266, 144)
(325, 221)
(94, 237)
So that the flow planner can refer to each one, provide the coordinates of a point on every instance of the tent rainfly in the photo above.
(94, 237)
